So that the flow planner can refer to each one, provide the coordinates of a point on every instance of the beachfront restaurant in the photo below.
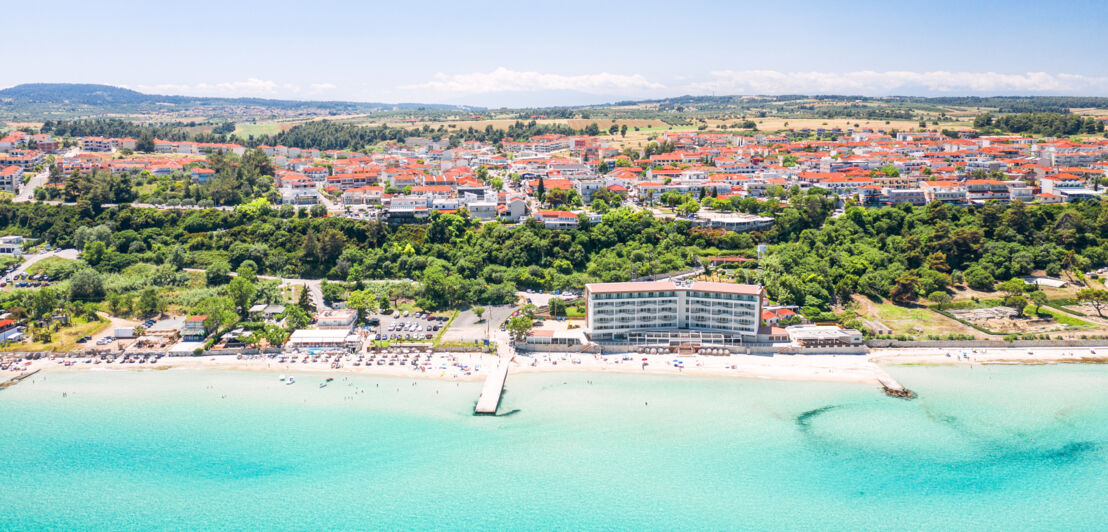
(545, 338)
(824, 336)
(323, 339)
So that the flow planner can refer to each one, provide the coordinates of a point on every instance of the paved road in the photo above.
(29, 260)
(27, 193)
(327, 202)
(466, 327)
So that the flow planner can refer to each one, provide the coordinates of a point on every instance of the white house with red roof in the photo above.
(11, 178)
(1066, 185)
(557, 219)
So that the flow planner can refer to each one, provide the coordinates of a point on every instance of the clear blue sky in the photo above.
(565, 52)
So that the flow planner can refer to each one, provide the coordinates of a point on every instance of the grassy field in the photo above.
(264, 128)
(914, 321)
(48, 264)
(65, 340)
(1065, 319)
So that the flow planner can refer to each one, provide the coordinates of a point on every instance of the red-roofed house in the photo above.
(557, 219)
(11, 178)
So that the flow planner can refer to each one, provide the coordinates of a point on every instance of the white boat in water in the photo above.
(282, 378)
(290, 381)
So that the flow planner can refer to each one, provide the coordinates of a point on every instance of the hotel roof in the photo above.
(641, 286)
(657, 286)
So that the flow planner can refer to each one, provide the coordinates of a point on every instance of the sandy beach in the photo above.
(475, 366)
(992, 355)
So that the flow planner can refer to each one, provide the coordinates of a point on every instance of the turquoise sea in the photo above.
(987, 448)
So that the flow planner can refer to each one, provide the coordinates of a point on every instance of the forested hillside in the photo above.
(902, 253)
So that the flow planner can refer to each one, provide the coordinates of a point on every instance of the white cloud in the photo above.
(249, 87)
(504, 80)
(871, 82)
(322, 86)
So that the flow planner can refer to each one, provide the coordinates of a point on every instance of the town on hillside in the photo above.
(716, 184)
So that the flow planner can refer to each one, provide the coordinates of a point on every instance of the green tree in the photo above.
(905, 288)
(147, 303)
(1038, 297)
(218, 273)
(145, 143)
(94, 252)
(86, 285)
(219, 311)
(689, 207)
(177, 258)
(1017, 302)
(942, 299)
(363, 301)
(332, 291)
(557, 306)
(1013, 287)
(1093, 297)
(242, 292)
(274, 335)
(295, 318)
(979, 279)
(479, 311)
(519, 327)
(43, 302)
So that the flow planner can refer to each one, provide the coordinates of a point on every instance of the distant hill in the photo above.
(78, 93)
(31, 99)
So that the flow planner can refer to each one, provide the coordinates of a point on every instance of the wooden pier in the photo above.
(15, 380)
(489, 400)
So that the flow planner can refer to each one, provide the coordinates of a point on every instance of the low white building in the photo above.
(341, 319)
(11, 245)
(323, 339)
(823, 336)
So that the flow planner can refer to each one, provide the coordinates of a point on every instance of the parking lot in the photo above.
(23, 280)
(413, 326)
(467, 328)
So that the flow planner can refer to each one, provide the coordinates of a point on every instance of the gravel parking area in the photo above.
(466, 328)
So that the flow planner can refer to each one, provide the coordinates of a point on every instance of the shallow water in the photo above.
(993, 448)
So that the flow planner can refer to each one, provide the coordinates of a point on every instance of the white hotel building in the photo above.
(665, 312)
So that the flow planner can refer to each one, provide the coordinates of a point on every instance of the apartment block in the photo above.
(662, 312)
